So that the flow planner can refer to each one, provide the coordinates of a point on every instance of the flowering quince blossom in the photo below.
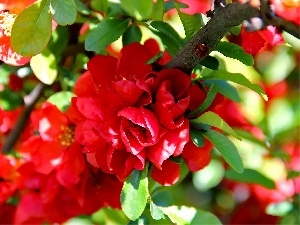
(9, 9)
(287, 9)
(127, 113)
(52, 179)
(257, 41)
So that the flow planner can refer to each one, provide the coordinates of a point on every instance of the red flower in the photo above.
(15, 83)
(9, 9)
(55, 135)
(197, 6)
(194, 6)
(289, 10)
(54, 178)
(254, 42)
(128, 113)
(8, 177)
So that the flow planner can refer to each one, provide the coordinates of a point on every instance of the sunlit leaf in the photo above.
(63, 11)
(191, 24)
(235, 51)
(44, 67)
(156, 212)
(61, 99)
(225, 89)
(142, 220)
(236, 78)
(158, 10)
(168, 35)
(226, 148)
(104, 215)
(137, 8)
(100, 5)
(32, 29)
(250, 176)
(106, 32)
(181, 215)
(135, 194)
(279, 209)
(215, 120)
(210, 176)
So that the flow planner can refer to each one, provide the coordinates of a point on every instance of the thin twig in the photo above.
(29, 103)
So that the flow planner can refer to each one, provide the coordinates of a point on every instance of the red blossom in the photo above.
(54, 176)
(9, 9)
(127, 113)
(8, 177)
(254, 42)
(15, 83)
(289, 10)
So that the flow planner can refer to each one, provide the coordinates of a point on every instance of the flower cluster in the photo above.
(50, 179)
(127, 113)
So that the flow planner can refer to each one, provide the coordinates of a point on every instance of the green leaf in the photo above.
(235, 51)
(143, 220)
(279, 209)
(210, 62)
(188, 215)
(108, 215)
(225, 89)
(134, 194)
(154, 58)
(64, 11)
(158, 10)
(226, 148)
(207, 102)
(210, 176)
(137, 8)
(32, 29)
(250, 176)
(213, 119)
(156, 212)
(59, 40)
(10, 100)
(292, 174)
(82, 8)
(61, 99)
(236, 78)
(249, 136)
(197, 137)
(44, 67)
(191, 24)
(168, 36)
(100, 5)
(132, 34)
(171, 5)
(106, 32)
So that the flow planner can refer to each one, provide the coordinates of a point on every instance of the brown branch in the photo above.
(29, 102)
(218, 26)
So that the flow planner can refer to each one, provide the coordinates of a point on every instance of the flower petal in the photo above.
(168, 175)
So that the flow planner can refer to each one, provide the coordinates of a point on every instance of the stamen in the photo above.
(66, 138)
(7, 20)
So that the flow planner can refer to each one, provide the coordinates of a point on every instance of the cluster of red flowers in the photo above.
(50, 179)
(127, 113)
